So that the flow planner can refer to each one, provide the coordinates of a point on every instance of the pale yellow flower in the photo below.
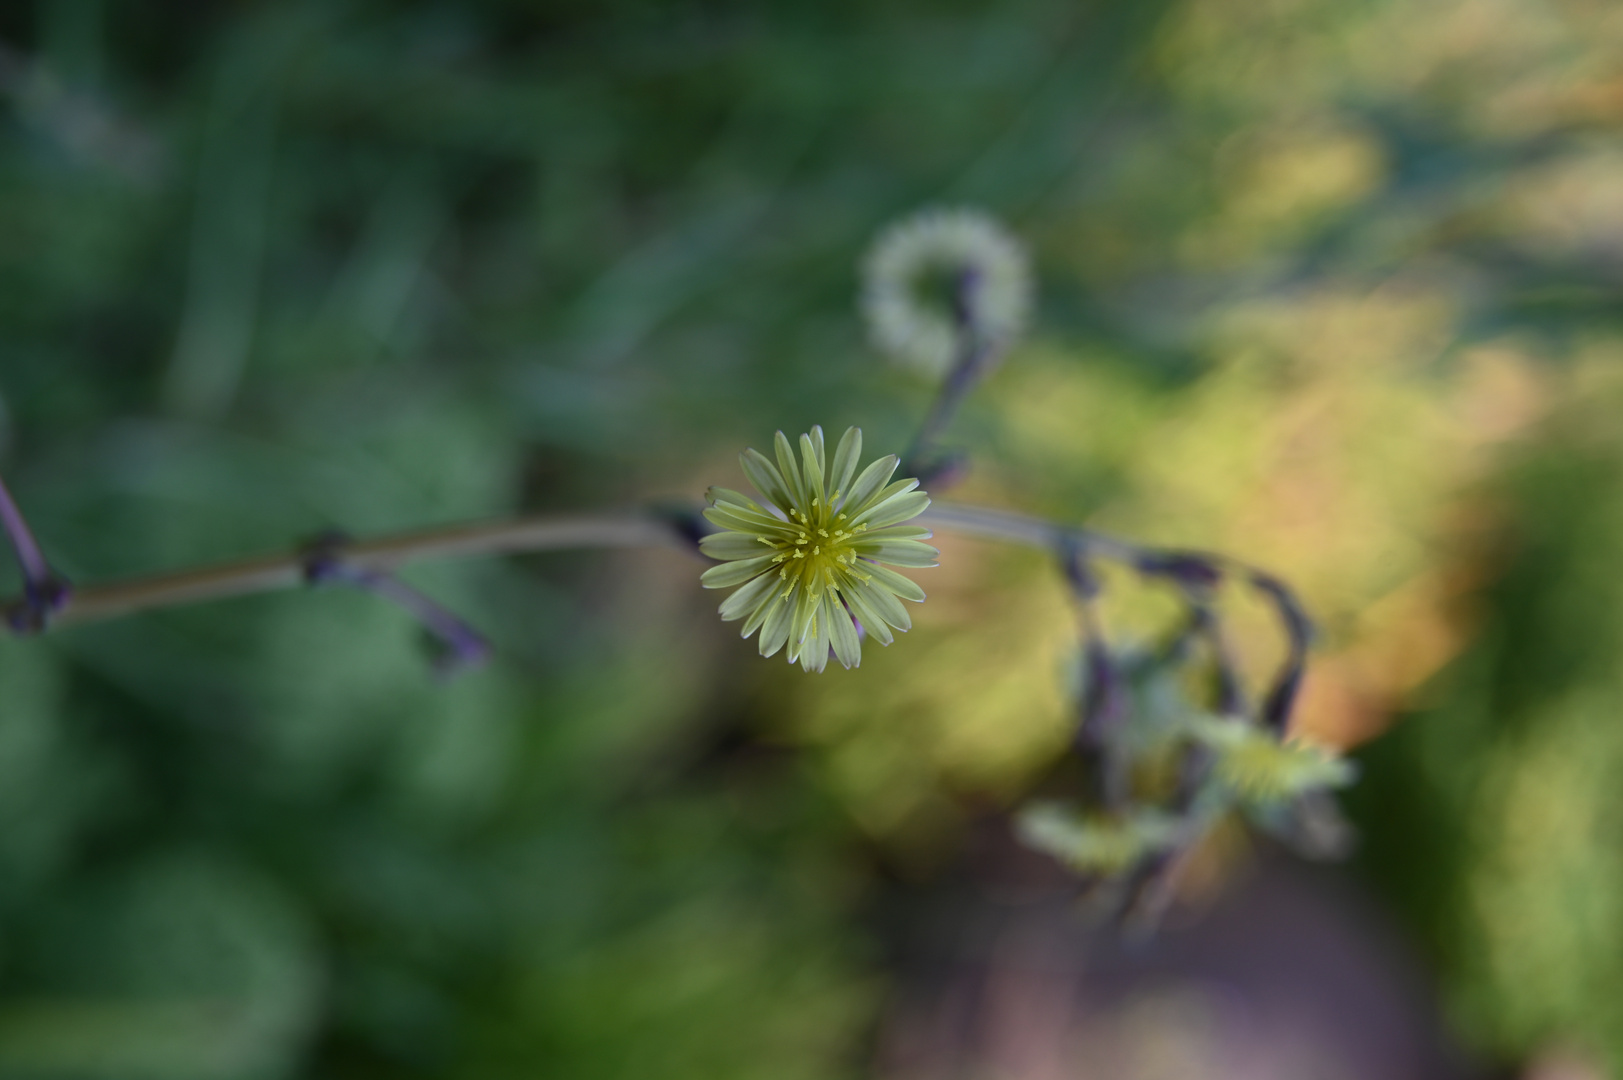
(1094, 843)
(808, 558)
(923, 332)
(1259, 767)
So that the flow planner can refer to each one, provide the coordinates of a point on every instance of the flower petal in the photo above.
(816, 434)
(871, 480)
(884, 604)
(746, 599)
(741, 520)
(841, 633)
(735, 573)
(814, 654)
(763, 606)
(887, 578)
(846, 456)
(894, 510)
(908, 553)
(775, 630)
(733, 545)
(766, 478)
(811, 459)
(790, 471)
(897, 532)
(908, 483)
(870, 619)
(878, 498)
(800, 626)
(733, 498)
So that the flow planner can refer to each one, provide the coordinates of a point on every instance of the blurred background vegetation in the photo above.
(1330, 285)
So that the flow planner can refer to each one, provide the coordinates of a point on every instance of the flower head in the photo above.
(985, 266)
(1260, 768)
(1094, 843)
(808, 559)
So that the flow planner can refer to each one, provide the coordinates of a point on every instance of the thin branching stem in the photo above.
(44, 593)
(1050, 536)
(955, 388)
(627, 529)
(977, 354)
(1186, 569)
(635, 528)
(36, 570)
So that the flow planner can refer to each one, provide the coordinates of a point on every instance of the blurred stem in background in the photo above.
(44, 594)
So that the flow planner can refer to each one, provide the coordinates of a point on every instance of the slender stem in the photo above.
(977, 354)
(44, 593)
(1181, 567)
(462, 645)
(1062, 540)
(384, 554)
(624, 529)
(954, 389)
(1050, 536)
(35, 569)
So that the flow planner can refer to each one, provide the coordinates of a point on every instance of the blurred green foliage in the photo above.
(1328, 285)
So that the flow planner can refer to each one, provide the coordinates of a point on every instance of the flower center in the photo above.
(815, 548)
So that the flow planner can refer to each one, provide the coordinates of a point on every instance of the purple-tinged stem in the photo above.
(1281, 696)
(655, 527)
(35, 568)
(976, 356)
(1105, 698)
(461, 646)
(43, 592)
